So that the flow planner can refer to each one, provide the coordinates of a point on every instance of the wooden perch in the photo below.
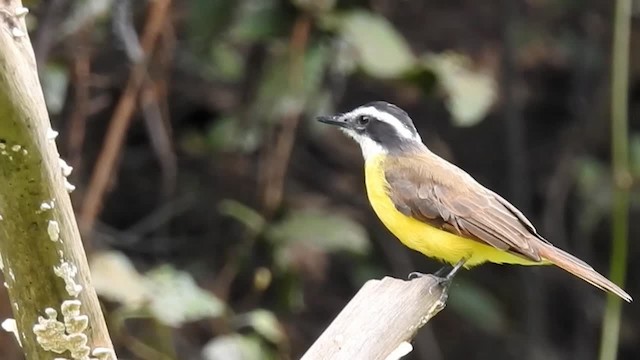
(380, 321)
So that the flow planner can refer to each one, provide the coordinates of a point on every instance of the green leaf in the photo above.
(300, 93)
(272, 89)
(221, 135)
(207, 20)
(258, 20)
(194, 142)
(54, 86)
(315, 62)
(478, 306)
(329, 232)
(471, 92)
(244, 214)
(283, 91)
(177, 299)
(315, 6)
(228, 134)
(171, 296)
(115, 278)
(381, 51)
(235, 347)
(227, 64)
(424, 78)
(264, 323)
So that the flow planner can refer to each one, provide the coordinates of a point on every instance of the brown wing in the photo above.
(429, 189)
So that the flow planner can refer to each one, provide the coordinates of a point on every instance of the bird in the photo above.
(434, 207)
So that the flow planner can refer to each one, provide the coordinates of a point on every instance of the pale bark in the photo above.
(35, 210)
(381, 320)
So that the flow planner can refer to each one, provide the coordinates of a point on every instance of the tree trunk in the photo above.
(41, 255)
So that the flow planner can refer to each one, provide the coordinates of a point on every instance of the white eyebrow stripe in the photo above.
(386, 117)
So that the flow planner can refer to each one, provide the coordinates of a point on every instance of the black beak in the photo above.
(333, 120)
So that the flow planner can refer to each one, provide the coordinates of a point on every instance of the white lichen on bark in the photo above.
(68, 335)
(17, 32)
(58, 337)
(67, 272)
(66, 171)
(53, 229)
(21, 11)
(69, 186)
(103, 354)
(47, 205)
(51, 134)
(66, 168)
(402, 350)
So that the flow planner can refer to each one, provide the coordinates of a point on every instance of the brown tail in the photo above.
(580, 269)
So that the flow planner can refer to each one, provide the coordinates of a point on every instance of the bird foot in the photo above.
(439, 276)
(444, 275)
(442, 272)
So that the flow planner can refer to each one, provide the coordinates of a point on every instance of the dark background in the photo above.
(223, 178)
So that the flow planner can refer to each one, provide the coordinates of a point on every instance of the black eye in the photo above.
(364, 120)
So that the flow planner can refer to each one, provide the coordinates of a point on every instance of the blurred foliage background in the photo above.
(222, 222)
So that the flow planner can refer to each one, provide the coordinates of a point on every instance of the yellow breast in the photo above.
(424, 238)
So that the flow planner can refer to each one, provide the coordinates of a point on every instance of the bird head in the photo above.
(379, 128)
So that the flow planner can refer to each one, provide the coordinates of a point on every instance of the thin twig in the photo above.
(160, 136)
(166, 151)
(121, 118)
(278, 160)
(622, 179)
(155, 119)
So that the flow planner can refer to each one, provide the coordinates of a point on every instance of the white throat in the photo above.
(369, 147)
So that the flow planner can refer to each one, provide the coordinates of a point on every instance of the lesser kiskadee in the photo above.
(436, 208)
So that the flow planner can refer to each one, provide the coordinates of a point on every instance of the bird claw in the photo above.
(416, 275)
(444, 275)
(443, 281)
(440, 273)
